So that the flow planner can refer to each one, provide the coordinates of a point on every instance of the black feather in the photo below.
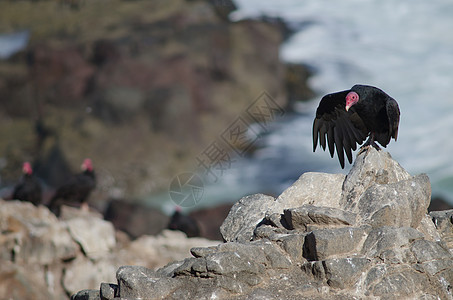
(375, 112)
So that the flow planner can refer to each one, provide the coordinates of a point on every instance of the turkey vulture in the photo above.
(29, 188)
(184, 223)
(76, 189)
(347, 118)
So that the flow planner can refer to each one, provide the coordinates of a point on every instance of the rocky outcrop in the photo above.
(42, 257)
(135, 219)
(364, 235)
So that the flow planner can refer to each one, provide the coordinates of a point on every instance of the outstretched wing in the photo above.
(393, 113)
(342, 129)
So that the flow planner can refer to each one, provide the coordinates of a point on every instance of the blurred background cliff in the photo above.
(140, 87)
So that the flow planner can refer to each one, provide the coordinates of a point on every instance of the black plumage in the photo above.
(184, 223)
(29, 188)
(76, 190)
(345, 119)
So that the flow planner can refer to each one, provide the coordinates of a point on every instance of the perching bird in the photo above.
(76, 189)
(29, 188)
(184, 223)
(347, 118)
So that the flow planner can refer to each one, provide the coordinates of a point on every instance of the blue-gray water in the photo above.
(10, 43)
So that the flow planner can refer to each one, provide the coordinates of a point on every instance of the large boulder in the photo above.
(33, 235)
(45, 257)
(403, 203)
(371, 167)
(244, 216)
(95, 236)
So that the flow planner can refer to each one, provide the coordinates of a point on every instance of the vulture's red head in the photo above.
(351, 99)
(26, 168)
(87, 165)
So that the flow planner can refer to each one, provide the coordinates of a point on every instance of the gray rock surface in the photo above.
(384, 239)
(371, 167)
(363, 236)
(306, 190)
(86, 295)
(42, 257)
(310, 216)
(443, 221)
(95, 236)
(403, 203)
(321, 244)
(244, 216)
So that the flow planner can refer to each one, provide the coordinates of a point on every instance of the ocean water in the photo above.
(10, 43)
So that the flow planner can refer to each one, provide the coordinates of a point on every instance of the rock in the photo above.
(33, 235)
(14, 215)
(69, 213)
(428, 229)
(270, 232)
(315, 216)
(428, 251)
(40, 258)
(293, 245)
(306, 191)
(262, 252)
(48, 244)
(229, 263)
(210, 219)
(95, 236)
(370, 167)
(321, 244)
(244, 216)
(231, 270)
(139, 282)
(169, 269)
(157, 251)
(344, 272)
(19, 282)
(443, 221)
(86, 295)
(402, 282)
(83, 273)
(135, 219)
(108, 291)
(403, 203)
(382, 239)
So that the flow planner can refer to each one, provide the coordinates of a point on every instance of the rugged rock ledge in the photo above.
(328, 236)
(42, 257)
